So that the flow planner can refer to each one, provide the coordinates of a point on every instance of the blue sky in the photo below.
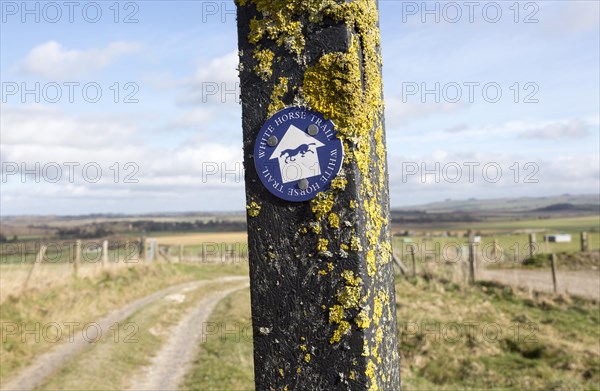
(182, 146)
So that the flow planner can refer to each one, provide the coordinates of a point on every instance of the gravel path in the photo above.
(581, 283)
(44, 365)
(171, 364)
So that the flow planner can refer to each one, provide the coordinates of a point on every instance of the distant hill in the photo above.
(567, 207)
(561, 203)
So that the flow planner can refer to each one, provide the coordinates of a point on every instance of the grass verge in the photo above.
(225, 361)
(452, 338)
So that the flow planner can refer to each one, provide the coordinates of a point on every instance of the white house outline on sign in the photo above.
(297, 155)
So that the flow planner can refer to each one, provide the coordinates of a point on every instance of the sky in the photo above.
(132, 106)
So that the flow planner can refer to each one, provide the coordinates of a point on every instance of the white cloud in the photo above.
(54, 62)
(219, 69)
(39, 135)
(398, 113)
(574, 128)
(575, 16)
(565, 129)
(197, 118)
(488, 175)
(215, 81)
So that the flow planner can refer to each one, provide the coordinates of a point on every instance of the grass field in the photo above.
(512, 238)
(452, 338)
(199, 238)
(564, 224)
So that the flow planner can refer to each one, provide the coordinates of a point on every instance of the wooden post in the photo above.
(471, 259)
(495, 250)
(400, 265)
(126, 257)
(532, 245)
(77, 258)
(414, 262)
(38, 259)
(142, 249)
(180, 253)
(584, 241)
(321, 271)
(546, 244)
(104, 253)
(553, 268)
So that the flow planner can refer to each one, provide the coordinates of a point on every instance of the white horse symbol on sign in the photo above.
(297, 155)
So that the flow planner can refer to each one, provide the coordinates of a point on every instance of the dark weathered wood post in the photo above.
(584, 241)
(414, 262)
(553, 269)
(471, 262)
(321, 271)
(142, 250)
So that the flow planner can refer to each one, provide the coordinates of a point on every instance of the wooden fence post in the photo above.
(104, 253)
(76, 258)
(471, 259)
(143, 249)
(414, 262)
(321, 270)
(553, 268)
(400, 265)
(532, 245)
(584, 241)
(126, 257)
(495, 250)
(39, 258)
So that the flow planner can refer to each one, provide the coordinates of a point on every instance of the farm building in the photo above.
(558, 238)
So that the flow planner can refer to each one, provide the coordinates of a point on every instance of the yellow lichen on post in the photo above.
(264, 60)
(334, 220)
(278, 92)
(322, 244)
(253, 209)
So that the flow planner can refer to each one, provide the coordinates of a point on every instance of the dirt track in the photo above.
(44, 365)
(581, 283)
(171, 364)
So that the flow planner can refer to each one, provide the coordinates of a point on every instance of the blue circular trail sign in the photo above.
(297, 154)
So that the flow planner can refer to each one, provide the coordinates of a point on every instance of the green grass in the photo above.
(513, 247)
(225, 361)
(504, 225)
(539, 342)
